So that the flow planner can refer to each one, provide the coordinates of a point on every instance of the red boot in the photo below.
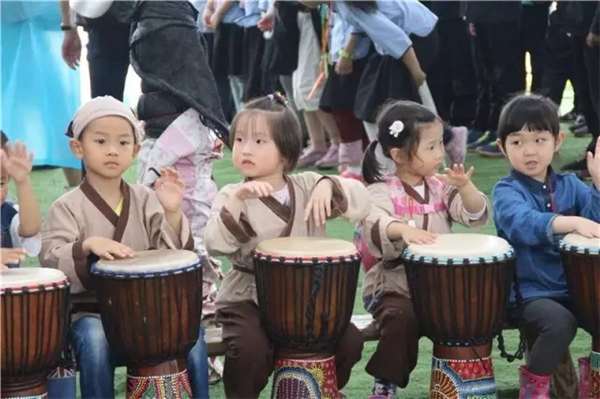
(584, 377)
(533, 386)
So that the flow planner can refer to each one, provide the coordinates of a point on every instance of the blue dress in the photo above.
(40, 93)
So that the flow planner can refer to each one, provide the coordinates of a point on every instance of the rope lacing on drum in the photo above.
(312, 300)
(521, 348)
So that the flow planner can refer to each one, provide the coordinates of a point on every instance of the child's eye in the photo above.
(124, 142)
(100, 141)
(515, 143)
(541, 140)
(238, 139)
(260, 141)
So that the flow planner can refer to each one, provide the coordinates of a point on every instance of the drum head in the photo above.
(578, 243)
(166, 261)
(306, 247)
(461, 246)
(30, 277)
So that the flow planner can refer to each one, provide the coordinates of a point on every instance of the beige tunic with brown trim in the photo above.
(82, 213)
(267, 218)
(388, 275)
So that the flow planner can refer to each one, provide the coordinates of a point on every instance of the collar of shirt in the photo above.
(534, 185)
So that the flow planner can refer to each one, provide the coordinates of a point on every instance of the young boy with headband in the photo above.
(107, 218)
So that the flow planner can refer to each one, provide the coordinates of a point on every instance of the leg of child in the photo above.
(249, 355)
(318, 144)
(197, 368)
(332, 158)
(352, 133)
(348, 353)
(396, 354)
(550, 328)
(95, 360)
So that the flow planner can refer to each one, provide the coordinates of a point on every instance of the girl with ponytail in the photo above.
(412, 204)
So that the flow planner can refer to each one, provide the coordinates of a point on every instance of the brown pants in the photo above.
(398, 348)
(249, 359)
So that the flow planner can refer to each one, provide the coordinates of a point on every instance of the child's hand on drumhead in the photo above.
(254, 189)
(456, 176)
(11, 255)
(107, 249)
(170, 189)
(319, 203)
(413, 235)
(588, 228)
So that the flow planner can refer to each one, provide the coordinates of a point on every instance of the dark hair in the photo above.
(3, 139)
(283, 122)
(363, 5)
(413, 116)
(530, 112)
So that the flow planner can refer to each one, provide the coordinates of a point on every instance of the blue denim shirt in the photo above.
(390, 26)
(234, 13)
(523, 216)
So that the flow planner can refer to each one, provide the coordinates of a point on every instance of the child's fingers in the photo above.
(328, 208)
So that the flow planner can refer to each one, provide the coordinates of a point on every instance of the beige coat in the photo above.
(388, 275)
(82, 213)
(267, 218)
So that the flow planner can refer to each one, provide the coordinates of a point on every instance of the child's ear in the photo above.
(136, 149)
(398, 156)
(558, 142)
(76, 148)
(501, 147)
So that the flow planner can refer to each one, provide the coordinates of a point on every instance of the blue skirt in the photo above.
(40, 93)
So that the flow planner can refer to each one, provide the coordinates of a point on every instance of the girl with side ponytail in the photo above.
(412, 204)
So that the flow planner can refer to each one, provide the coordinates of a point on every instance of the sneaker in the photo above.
(579, 168)
(310, 157)
(474, 135)
(331, 159)
(581, 131)
(484, 139)
(457, 147)
(388, 396)
(490, 150)
(569, 116)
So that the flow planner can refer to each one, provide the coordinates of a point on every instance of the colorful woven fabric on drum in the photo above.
(174, 386)
(462, 379)
(595, 375)
(304, 379)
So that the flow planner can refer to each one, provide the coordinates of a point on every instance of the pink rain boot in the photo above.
(584, 377)
(533, 386)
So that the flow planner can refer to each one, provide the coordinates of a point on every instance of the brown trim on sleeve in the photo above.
(240, 233)
(376, 237)
(123, 218)
(82, 264)
(339, 201)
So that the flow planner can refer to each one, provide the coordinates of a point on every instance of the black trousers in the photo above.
(221, 80)
(450, 77)
(534, 25)
(587, 69)
(498, 48)
(108, 58)
(484, 88)
(549, 327)
(560, 63)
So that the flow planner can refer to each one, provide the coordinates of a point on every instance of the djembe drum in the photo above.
(306, 288)
(460, 288)
(151, 308)
(581, 262)
(34, 314)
